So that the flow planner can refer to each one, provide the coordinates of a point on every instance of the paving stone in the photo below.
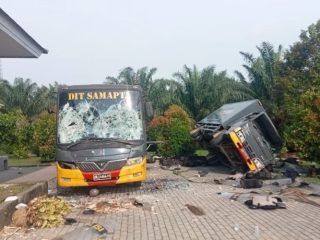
(170, 219)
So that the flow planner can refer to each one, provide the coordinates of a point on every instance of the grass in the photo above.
(308, 164)
(311, 179)
(24, 162)
(201, 152)
(7, 190)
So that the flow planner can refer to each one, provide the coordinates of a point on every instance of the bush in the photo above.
(15, 134)
(302, 132)
(7, 131)
(44, 135)
(174, 130)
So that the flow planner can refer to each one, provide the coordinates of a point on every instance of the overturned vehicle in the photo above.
(240, 135)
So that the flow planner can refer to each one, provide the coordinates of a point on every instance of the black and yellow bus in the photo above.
(101, 135)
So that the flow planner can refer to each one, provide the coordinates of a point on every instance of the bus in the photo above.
(101, 135)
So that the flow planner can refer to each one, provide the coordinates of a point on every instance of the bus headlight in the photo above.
(133, 161)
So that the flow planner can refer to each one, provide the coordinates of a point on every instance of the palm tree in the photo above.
(26, 96)
(263, 73)
(205, 90)
(142, 77)
(164, 93)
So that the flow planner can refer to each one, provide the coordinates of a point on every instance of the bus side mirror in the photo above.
(149, 110)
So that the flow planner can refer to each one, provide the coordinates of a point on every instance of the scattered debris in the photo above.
(218, 181)
(240, 197)
(107, 206)
(257, 232)
(292, 160)
(157, 185)
(155, 158)
(291, 173)
(52, 192)
(298, 195)
(137, 203)
(88, 211)
(112, 206)
(250, 183)
(169, 162)
(19, 217)
(264, 174)
(46, 212)
(236, 227)
(69, 221)
(193, 161)
(165, 184)
(95, 231)
(280, 182)
(7, 232)
(11, 198)
(287, 168)
(21, 205)
(146, 199)
(265, 202)
(177, 172)
(235, 176)
(203, 173)
(303, 184)
(195, 210)
(94, 192)
(254, 200)
(313, 171)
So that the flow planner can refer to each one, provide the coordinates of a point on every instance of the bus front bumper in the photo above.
(77, 178)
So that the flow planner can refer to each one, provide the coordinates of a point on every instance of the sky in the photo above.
(89, 40)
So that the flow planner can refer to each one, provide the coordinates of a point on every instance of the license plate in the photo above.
(101, 176)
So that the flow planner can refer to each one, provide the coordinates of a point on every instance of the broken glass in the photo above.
(117, 118)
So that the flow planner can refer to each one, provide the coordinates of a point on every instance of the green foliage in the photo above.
(142, 77)
(163, 94)
(7, 131)
(301, 72)
(26, 96)
(15, 134)
(264, 78)
(203, 91)
(302, 130)
(199, 91)
(174, 130)
(44, 135)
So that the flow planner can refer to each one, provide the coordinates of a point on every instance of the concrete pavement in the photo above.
(168, 218)
(28, 174)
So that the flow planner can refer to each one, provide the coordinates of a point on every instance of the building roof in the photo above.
(15, 42)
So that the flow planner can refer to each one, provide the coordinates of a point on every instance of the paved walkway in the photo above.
(27, 174)
(167, 217)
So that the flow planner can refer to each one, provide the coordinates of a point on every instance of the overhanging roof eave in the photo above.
(16, 32)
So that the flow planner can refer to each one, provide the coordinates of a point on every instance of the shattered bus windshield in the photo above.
(99, 114)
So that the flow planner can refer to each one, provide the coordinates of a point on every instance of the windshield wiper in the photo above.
(118, 140)
(97, 139)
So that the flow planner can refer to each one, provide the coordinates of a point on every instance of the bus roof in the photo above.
(99, 86)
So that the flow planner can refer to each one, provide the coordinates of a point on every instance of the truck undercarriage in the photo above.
(240, 135)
